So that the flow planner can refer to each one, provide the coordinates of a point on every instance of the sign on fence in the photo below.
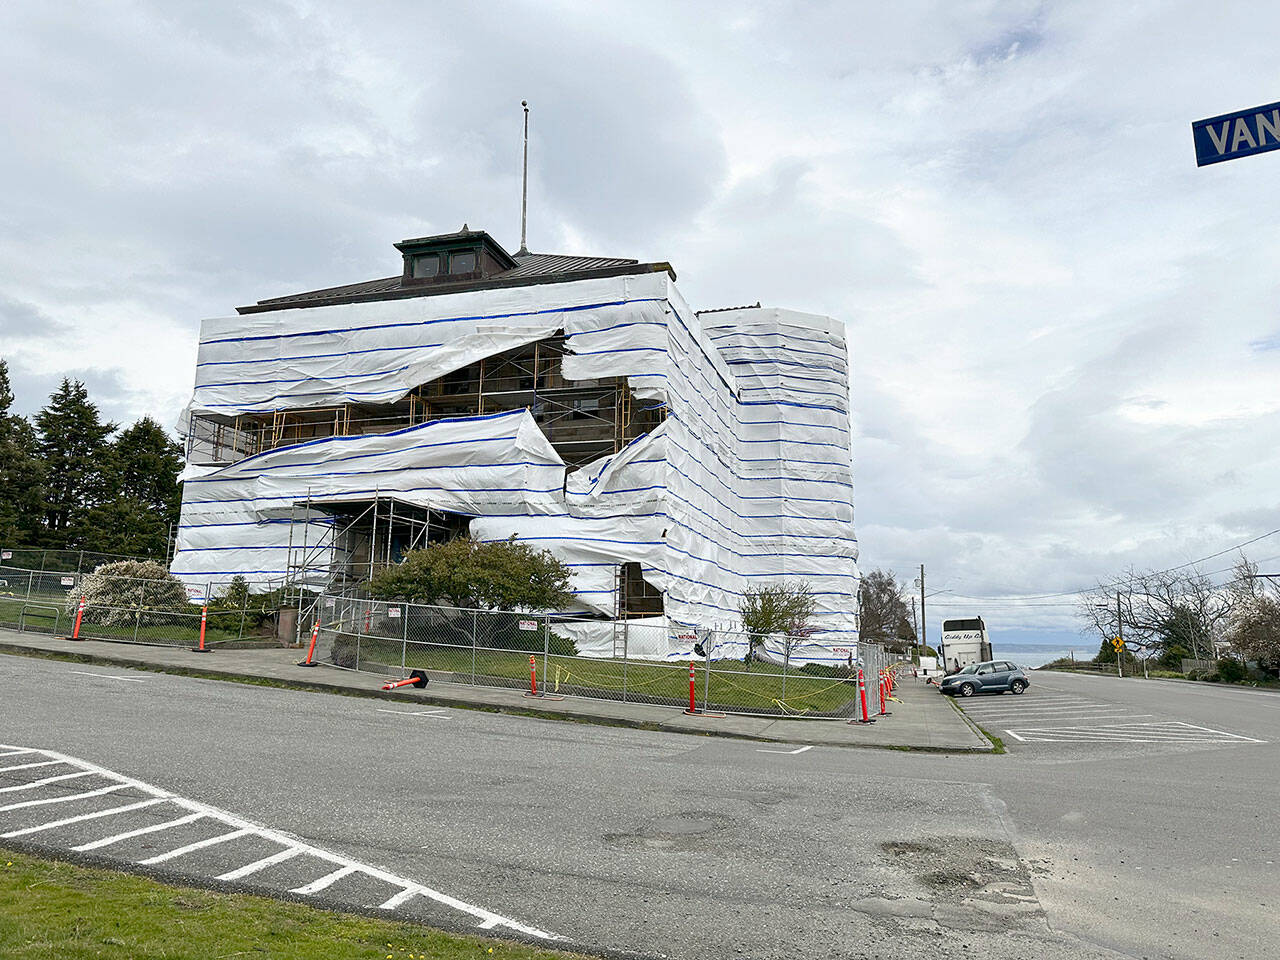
(6, 554)
(68, 581)
(393, 612)
(528, 624)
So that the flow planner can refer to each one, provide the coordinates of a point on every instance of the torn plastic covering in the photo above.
(747, 481)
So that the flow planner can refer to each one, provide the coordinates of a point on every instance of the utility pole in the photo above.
(924, 623)
(1120, 634)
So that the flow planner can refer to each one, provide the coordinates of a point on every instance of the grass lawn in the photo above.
(53, 909)
(39, 614)
(733, 686)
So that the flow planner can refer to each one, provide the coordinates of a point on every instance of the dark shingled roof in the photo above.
(533, 268)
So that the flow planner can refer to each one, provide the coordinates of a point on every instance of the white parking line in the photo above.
(11, 753)
(432, 714)
(41, 783)
(328, 880)
(1102, 717)
(141, 831)
(1033, 708)
(108, 676)
(1165, 731)
(31, 766)
(486, 919)
(66, 799)
(1221, 732)
(398, 899)
(262, 864)
(198, 845)
(791, 752)
(82, 817)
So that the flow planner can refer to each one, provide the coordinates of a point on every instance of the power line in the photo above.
(1080, 593)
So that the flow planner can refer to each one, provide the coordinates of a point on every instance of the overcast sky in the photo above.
(1065, 338)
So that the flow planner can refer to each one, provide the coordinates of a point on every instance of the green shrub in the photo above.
(466, 573)
(1231, 670)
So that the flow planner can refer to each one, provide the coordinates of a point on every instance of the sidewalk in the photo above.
(924, 720)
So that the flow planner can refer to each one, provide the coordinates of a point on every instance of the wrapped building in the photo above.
(671, 458)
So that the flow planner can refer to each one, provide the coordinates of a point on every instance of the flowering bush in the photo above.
(114, 592)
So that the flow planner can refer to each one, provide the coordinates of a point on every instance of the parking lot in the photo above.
(650, 843)
(77, 807)
(1062, 709)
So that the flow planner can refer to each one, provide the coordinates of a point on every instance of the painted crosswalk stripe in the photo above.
(41, 783)
(67, 799)
(262, 864)
(141, 831)
(193, 847)
(97, 814)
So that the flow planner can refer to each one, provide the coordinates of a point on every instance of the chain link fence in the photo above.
(62, 561)
(128, 609)
(732, 672)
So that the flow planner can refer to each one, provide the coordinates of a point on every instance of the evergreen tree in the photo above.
(20, 473)
(141, 492)
(72, 443)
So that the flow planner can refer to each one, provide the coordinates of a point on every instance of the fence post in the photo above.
(706, 675)
(786, 664)
(475, 623)
(546, 647)
(137, 613)
(626, 658)
(404, 641)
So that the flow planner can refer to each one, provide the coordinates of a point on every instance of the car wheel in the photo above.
(1017, 686)
(966, 690)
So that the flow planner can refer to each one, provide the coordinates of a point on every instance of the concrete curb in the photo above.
(211, 672)
(969, 720)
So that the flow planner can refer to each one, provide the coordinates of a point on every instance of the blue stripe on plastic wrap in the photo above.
(366, 473)
(428, 323)
(394, 433)
(317, 356)
(341, 376)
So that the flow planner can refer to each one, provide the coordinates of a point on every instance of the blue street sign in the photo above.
(1238, 134)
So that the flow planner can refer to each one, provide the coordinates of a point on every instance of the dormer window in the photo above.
(454, 257)
(426, 266)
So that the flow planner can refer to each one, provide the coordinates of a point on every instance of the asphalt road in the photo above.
(663, 844)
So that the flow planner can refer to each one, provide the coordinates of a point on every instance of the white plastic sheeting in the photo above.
(748, 480)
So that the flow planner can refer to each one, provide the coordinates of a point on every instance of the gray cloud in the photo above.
(1062, 332)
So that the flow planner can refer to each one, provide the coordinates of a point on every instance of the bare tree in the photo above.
(777, 608)
(1254, 631)
(1153, 607)
(884, 615)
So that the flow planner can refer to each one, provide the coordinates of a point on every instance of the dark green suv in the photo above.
(994, 676)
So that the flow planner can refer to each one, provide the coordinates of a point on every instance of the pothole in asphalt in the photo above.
(973, 874)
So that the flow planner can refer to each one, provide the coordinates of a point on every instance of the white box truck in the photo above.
(964, 641)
